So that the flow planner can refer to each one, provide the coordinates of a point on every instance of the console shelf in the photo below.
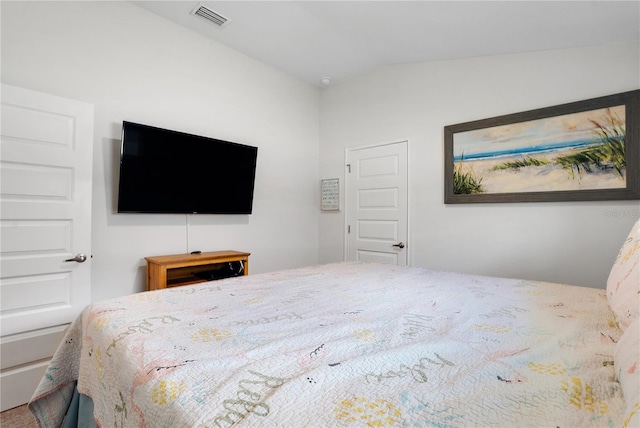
(184, 269)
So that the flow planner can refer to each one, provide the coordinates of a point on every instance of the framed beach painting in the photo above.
(581, 151)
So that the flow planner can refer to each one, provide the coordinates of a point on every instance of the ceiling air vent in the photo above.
(210, 15)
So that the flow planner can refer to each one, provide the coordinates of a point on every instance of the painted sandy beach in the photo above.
(538, 178)
(578, 151)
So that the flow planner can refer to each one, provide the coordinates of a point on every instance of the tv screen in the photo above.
(163, 171)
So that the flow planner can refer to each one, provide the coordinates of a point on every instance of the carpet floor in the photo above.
(18, 417)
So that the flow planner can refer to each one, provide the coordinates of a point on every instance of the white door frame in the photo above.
(347, 152)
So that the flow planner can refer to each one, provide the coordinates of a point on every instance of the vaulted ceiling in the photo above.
(340, 39)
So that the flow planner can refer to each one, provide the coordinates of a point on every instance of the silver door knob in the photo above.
(80, 258)
(399, 245)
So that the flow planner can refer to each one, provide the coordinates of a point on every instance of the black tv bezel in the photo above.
(180, 136)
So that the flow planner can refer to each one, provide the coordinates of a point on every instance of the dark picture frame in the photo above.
(581, 151)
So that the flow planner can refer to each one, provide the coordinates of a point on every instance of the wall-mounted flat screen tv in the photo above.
(163, 171)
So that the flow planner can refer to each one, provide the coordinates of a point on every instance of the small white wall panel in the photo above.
(34, 264)
(378, 257)
(31, 346)
(35, 182)
(20, 382)
(378, 167)
(378, 199)
(35, 237)
(35, 292)
(33, 126)
(381, 231)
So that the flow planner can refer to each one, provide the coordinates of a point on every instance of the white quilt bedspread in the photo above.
(346, 344)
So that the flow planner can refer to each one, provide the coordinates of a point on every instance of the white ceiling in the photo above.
(342, 39)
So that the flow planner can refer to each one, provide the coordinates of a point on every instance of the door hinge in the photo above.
(348, 228)
(349, 167)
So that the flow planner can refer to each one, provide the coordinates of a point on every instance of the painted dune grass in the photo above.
(581, 151)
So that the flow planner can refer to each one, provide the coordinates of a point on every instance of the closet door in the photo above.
(377, 202)
(45, 218)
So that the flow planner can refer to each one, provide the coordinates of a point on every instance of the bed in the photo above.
(354, 344)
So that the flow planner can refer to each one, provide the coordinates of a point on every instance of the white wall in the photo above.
(133, 65)
(562, 242)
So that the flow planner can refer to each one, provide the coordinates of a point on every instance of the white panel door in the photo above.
(46, 151)
(377, 203)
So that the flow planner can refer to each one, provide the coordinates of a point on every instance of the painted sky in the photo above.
(558, 129)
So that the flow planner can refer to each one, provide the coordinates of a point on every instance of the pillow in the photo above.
(626, 359)
(623, 285)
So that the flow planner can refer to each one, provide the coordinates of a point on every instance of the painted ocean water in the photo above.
(543, 148)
